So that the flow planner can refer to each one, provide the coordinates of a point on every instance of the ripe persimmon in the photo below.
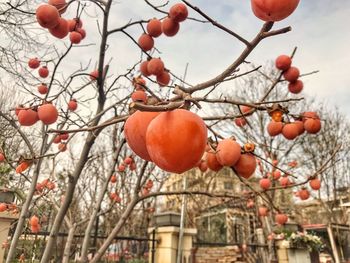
(128, 160)
(284, 181)
(144, 68)
(228, 152)
(154, 27)
(75, 37)
(281, 219)
(155, 66)
(283, 62)
(93, 74)
(263, 210)
(48, 113)
(64, 136)
(146, 42)
(34, 220)
(74, 24)
(265, 183)
(62, 147)
(43, 89)
(61, 29)
(240, 122)
(139, 96)
(274, 128)
(43, 72)
(57, 139)
(304, 194)
(3, 207)
(135, 132)
(296, 86)
(178, 12)
(212, 161)
(2, 157)
(34, 63)
(72, 105)
(292, 74)
(121, 167)
(176, 140)
(300, 125)
(170, 27)
(312, 126)
(276, 175)
(163, 79)
(113, 179)
(47, 16)
(315, 184)
(273, 10)
(61, 5)
(27, 117)
(290, 131)
(82, 32)
(246, 165)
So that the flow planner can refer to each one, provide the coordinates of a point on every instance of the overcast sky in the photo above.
(320, 31)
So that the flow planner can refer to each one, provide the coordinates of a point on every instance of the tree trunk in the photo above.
(86, 241)
(68, 245)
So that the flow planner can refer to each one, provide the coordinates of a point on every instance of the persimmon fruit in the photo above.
(292, 74)
(155, 66)
(315, 184)
(154, 27)
(228, 152)
(34, 63)
(296, 86)
(27, 117)
(178, 12)
(75, 37)
(284, 181)
(304, 194)
(312, 126)
(3, 207)
(48, 113)
(139, 96)
(163, 79)
(263, 211)
(290, 131)
(283, 62)
(144, 68)
(273, 10)
(61, 5)
(61, 30)
(176, 140)
(281, 219)
(43, 72)
(265, 183)
(170, 27)
(43, 89)
(146, 42)
(246, 165)
(47, 16)
(274, 128)
(72, 105)
(212, 162)
(135, 132)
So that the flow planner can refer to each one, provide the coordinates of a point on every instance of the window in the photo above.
(228, 185)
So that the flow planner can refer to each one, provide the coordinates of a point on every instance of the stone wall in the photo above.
(229, 254)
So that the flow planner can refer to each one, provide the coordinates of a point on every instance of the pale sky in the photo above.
(320, 31)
